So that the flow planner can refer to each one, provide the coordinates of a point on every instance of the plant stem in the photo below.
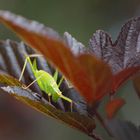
(101, 120)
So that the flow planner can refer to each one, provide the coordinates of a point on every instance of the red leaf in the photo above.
(136, 83)
(99, 76)
(86, 72)
(121, 77)
(113, 106)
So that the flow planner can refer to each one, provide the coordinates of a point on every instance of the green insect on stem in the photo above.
(46, 82)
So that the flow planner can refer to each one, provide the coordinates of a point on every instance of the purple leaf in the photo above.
(123, 56)
(73, 44)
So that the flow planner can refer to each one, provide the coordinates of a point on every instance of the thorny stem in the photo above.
(101, 120)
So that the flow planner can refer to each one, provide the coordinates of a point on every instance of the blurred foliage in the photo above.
(81, 17)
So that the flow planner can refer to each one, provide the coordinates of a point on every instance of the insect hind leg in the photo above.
(33, 82)
(23, 69)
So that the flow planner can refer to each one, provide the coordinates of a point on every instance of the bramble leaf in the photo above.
(123, 56)
(73, 44)
(12, 61)
(14, 53)
(113, 106)
(13, 87)
(96, 71)
(53, 47)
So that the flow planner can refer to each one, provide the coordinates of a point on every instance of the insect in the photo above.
(46, 82)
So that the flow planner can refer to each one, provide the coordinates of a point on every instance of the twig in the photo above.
(101, 120)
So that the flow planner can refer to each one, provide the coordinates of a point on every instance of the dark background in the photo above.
(81, 18)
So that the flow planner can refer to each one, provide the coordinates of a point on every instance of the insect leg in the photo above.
(49, 97)
(33, 82)
(25, 63)
(62, 78)
(68, 100)
(55, 76)
(33, 55)
(23, 69)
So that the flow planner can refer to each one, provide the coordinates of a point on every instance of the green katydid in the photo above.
(46, 82)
